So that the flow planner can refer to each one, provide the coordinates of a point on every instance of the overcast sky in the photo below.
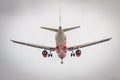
(21, 20)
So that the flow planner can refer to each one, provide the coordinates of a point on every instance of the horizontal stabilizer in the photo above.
(51, 29)
(68, 29)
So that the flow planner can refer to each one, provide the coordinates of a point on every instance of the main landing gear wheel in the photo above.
(50, 55)
(72, 54)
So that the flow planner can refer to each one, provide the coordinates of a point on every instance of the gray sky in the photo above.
(21, 20)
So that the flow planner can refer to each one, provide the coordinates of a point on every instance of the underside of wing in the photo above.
(34, 45)
(88, 44)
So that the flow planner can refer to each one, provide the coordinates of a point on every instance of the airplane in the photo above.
(61, 47)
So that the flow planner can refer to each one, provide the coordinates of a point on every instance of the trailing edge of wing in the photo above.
(88, 44)
(34, 45)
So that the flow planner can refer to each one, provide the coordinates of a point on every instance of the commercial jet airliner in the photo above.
(61, 47)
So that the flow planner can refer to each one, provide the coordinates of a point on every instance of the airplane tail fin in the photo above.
(56, 30)
(51, 29)
(68, 29)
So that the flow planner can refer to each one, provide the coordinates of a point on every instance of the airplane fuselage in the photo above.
(61, 48)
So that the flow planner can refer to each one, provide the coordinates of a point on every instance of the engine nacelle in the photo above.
(78, 52)
(44, 53)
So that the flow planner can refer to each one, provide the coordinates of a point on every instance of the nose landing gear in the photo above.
(61, 60)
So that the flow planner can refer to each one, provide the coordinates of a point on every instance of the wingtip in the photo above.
(110, 38)
(41, 27)
(11, 40)
(78, 26)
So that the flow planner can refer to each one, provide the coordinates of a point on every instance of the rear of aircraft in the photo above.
(64, 30)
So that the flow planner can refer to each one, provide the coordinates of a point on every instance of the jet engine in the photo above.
(44, 53)
(78, 52)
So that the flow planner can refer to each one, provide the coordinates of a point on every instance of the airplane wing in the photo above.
(34, 45)
(88, 44)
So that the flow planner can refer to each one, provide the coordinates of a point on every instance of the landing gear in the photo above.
(77, 53)
(72, 54)
(61, 61)
(50, 55)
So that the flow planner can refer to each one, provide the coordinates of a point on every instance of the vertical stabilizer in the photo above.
(59, 17)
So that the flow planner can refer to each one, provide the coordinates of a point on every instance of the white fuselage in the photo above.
(61, 47)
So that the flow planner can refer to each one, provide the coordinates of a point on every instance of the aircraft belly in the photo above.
(61, 40)
(61, 48)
